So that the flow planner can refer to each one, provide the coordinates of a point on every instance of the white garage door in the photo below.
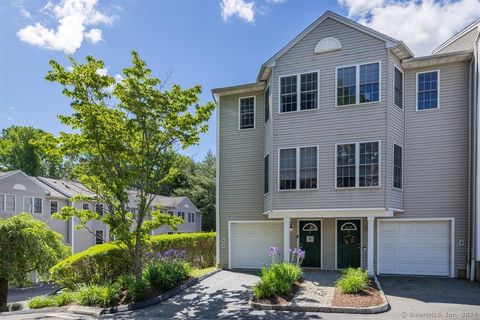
(250, 243)
(414, 247)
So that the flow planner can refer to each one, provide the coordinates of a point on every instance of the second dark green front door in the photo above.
(348, 243)
(309, 240)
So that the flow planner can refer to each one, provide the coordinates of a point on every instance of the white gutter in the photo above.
(217, 180)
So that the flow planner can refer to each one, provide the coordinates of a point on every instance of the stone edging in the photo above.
(289, 307)
(93, 311)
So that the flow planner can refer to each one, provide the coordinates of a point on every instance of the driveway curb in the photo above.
(331, 309)
(92, 311)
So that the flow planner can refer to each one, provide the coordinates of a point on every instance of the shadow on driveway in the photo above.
(432, 290)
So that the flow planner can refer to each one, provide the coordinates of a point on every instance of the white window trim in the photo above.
(254, 112)
(357, 84)
(5, 202)
(297, 164)
(298, 75)
(395, 66)
(393, 166)
(33, 204)
(269, 105)
(438, 90)
(103, 237)
(357, 165)
(51, 205)
(269, 173)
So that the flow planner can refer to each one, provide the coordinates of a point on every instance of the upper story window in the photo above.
(358, 165)
(358, 84)
(267, 104)
(99, 236)
(171, 212)
(302, 174)
(32, 204)
(427, 90)
(85, 206)
(398, 88)
(99, 209)
(266, 169)
(397, 166)
(299, 92)
(7, 202)
(53, 206)
(247, 113)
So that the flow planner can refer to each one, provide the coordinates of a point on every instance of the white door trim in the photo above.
(230, 234)
(361, 239)
(452, 239)
(321, 237)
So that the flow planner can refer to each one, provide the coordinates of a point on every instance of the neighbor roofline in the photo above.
(11, 173)
(467, 29)
(438, 59)
(242, 88)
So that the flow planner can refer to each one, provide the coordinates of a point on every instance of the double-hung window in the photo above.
(299, 92)
(267, 104)
(99, 236)
(358, 165)
(7, 202)
(427, 90)
(358, 84)
(53, 206)
(247, 113)
(397, 166)
(32, 204)
(398, 88)
(298, 168)
(99, 209)
(266, 169)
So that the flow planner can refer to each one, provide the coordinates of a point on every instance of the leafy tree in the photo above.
(26, 244)
(200, 188)
(124, 136)
(19, 151)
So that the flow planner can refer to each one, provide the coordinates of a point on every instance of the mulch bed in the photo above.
(283, 299)
(369, 297)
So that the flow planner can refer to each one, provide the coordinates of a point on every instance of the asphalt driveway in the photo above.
(225, 296)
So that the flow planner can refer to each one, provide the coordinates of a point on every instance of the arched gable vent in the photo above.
(327, 45)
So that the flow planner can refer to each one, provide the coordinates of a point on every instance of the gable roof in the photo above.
(467, 29)
(390, 42)
(32, 179)
(68, 188)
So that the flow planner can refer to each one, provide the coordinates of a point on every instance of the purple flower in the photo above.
(274, 251)
(169, 253)
(301, 253)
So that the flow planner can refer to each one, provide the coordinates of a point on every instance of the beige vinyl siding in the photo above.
(465, 42)
(396, 133)
(436, 160)
(241, 168)
(329, 124)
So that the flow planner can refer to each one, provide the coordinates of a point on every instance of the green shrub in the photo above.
(278, 279)
(165, 275)
(353, 280)
(64, 298)
(102, 264)
(98, 296)
(138, 290)
(41, 302)
(15, 306)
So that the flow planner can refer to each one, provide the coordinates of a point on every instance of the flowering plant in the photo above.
(169, 255)
(296, 256)
(274, 253)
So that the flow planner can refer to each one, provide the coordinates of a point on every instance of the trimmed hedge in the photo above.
(104, 263)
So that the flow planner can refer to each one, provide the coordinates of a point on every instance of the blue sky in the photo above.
(213, 43)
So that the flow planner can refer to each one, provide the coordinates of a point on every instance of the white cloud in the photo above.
(102, 72)
(94, 35)
(422, 25)
(244, 10)
(72, 17)
(276, 1)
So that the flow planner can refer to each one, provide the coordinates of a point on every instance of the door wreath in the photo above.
(348, 238)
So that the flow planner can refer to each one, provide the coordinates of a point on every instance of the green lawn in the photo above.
(200, 272)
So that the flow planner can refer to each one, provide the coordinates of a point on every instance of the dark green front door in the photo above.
(309, 240)
(348, 243)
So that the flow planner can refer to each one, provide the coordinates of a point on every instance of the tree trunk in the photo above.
(3, 294)
(137, 261)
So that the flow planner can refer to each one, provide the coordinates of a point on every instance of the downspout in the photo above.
(69, 203)
(474, 221)
(470, 163)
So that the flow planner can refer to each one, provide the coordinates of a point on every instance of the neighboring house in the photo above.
(349, 147)
(41, 197)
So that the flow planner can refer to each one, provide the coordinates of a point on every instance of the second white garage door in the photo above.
(250, 243)
(414, 247)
